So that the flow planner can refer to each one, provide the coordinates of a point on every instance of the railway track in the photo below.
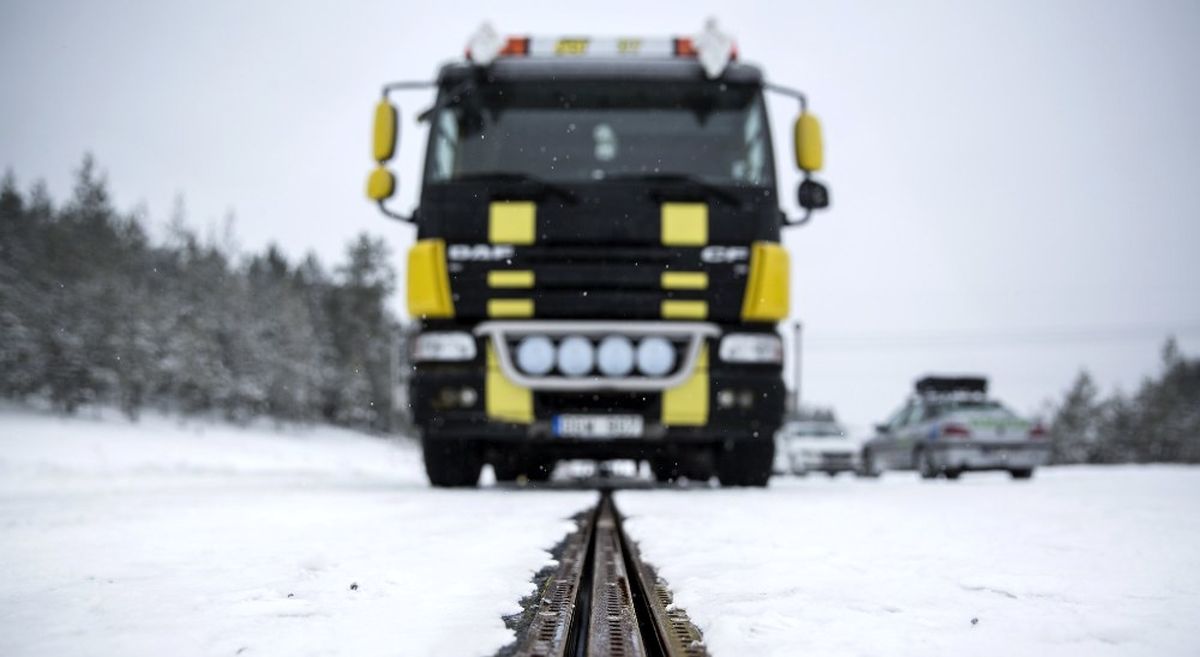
(603, 600)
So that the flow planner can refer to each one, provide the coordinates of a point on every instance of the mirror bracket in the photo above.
(408, 219)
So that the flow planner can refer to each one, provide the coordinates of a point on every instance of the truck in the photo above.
(597, 271)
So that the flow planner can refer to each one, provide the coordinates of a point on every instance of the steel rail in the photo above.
(604, 601)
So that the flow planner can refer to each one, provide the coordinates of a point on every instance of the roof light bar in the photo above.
(712, 48)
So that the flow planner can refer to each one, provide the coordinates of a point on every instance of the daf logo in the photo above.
(481, 252)
(713, 254)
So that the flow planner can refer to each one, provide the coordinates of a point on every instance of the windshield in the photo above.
(815, 430)
(944, 407)
(580, 131)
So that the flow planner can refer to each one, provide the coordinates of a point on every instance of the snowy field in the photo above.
(198, 539)
(202, 539)
(1079, 561)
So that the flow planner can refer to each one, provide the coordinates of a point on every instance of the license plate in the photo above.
(598, 426)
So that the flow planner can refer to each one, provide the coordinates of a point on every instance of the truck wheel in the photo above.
(540, 470)
(451, 462)
(507, 468)
(665, 468)
(1021, 473)
(746, 463)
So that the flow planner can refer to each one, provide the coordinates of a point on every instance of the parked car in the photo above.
(802, 447)
(950, 426)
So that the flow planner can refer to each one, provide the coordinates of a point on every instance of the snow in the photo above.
(205, 539)
(1079, 561)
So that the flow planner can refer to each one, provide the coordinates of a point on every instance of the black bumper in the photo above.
(756, 413)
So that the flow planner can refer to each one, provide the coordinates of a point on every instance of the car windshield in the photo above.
(939, 408)
(578, 131)
(816, 430)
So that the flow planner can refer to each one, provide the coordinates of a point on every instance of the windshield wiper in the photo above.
(709, 189)
(541, 184)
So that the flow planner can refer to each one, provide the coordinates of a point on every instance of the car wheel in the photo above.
(1021, 473)
(869, 467)
(953, 473)
(746, 462)
(924, 464)
(451, 462)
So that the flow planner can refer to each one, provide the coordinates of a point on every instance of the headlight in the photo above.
(655, 356)
(444, 346)
(575, 356)
(615, 356)
(751, 348)
(535, 355)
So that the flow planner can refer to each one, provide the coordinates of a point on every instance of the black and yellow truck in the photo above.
(597, 269)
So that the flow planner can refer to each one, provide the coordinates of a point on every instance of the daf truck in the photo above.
(597, 269)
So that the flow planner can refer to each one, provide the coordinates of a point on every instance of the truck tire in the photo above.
(540, 470)
(1021, 473)
(451, 462)
(510, 467)
(746, 463)
(665, 468)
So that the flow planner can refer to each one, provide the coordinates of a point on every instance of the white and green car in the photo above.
(951, 426)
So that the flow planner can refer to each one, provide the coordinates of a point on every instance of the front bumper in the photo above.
(990, 456)
(435, 395)
(824, 461)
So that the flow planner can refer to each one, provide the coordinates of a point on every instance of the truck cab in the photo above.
(597, 269)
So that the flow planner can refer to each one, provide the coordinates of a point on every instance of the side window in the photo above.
(915, 415)
(445, 149)
(750, 167)
(897, 419)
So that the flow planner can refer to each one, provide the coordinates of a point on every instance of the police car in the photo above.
(950, 426)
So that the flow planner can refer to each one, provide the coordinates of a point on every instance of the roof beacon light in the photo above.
(485, 45)
(714, 49)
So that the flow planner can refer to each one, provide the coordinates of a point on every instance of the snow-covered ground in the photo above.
(1079, 561)
(203, 539)
(197, 538)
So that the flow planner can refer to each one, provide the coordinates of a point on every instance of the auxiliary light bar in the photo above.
(712, 48)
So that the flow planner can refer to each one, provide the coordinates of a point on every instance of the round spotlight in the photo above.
(575, 356)
(615, 356)
(655, 356)
(535, 355)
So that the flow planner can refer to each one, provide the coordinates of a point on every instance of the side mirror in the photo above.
(882, 429)
(812, 195)
(381, 184)
(387, 124)
(810, 150)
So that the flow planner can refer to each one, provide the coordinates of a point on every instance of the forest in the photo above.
(94, 311)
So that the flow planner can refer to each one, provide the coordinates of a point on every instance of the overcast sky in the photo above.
(1014, 184)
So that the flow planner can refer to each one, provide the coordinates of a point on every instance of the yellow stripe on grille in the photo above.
(510, 307)
(510, 278)
(512, 222)
(684, 280)
(677, 309)
(684, 224)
